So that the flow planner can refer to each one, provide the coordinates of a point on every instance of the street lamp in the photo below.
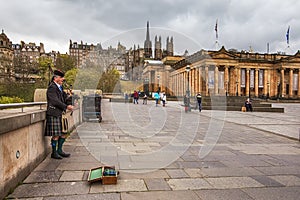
(146, 86)
(278, 89)
(268, 92)
(187, 69)
(158, 77)
(237, 91)
(226, 88)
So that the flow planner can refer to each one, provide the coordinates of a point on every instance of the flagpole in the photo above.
(288, 37)
(216, 29)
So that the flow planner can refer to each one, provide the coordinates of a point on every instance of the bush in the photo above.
(6, 100)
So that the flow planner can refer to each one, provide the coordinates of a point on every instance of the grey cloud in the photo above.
(240, 23)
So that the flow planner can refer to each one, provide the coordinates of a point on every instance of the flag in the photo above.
(288, 36)
(216, 29)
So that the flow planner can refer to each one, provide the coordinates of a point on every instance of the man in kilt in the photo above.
(56, 105)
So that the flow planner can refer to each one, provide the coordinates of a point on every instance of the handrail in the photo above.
(22, 105)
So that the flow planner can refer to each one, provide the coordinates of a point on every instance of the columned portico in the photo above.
(239, 73)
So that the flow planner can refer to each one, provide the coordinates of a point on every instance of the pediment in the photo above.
(222, 55)
(293, 58)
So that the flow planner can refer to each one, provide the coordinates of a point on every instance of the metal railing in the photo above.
(22, 105)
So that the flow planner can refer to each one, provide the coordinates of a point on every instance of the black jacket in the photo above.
(56, 101)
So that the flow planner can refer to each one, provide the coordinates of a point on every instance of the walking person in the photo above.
(164, 99)
(145, 99)
(56, 105)
(199, 101)
(135, 97)
(126, 97)
(156, 97)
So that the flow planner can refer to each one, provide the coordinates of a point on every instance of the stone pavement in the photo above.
(164, 153)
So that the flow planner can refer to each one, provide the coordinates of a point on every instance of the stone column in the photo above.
(256, 83)
(298, 92)
(239, 80)
(266, 82)
(291, 83)
(226, 80)
(206, 80)
(247, 82)
(200, 80)
(282, 83)
(193, 81)
(216, 84)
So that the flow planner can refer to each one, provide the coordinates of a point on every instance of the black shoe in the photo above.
(63, 154)
(55, 156)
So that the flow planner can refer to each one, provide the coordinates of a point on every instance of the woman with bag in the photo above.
(56, 105)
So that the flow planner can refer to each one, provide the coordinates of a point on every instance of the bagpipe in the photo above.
(71, 98)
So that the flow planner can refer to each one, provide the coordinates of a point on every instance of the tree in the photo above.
(70, 76)
(109, 80)
(45, 63)
(65, 62)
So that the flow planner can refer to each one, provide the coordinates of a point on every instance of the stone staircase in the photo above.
(234, 103)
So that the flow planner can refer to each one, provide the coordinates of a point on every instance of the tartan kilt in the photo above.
(53, 126)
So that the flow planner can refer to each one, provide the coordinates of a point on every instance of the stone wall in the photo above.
(23, 146)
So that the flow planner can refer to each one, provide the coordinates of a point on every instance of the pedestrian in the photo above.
(199, 101)
(187, 103)
(156, 97)
(126, 97)
(56, 105)
(248, 105)
(135, 97)
(145, 99)
(164, 99)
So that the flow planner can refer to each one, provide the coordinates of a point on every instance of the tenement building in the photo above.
(6, 57)
(229, 72)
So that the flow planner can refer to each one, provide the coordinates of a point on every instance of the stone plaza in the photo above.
(164, 153)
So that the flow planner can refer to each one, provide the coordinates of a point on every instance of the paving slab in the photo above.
(131, 185)
(72, 176)
(156, 184)
(275, 193)
(188, 184)
(177, 173)
(50, 189)
(223, 194)
(267, 181)
(161, 195)
(233, 182)
(42, 176)
(105, 196)
(287, 180)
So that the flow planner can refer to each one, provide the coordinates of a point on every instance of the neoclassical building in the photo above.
(229, 72)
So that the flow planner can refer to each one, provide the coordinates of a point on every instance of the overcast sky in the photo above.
(241, 23)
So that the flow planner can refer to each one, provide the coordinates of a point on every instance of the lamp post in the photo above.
(278, 90)
(158, 77)
(226, 92)
(146, 86)
(268, 92)
(237, 91)
(187, 69)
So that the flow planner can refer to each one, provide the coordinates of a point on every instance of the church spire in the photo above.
(147, 44)
(147, 34)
